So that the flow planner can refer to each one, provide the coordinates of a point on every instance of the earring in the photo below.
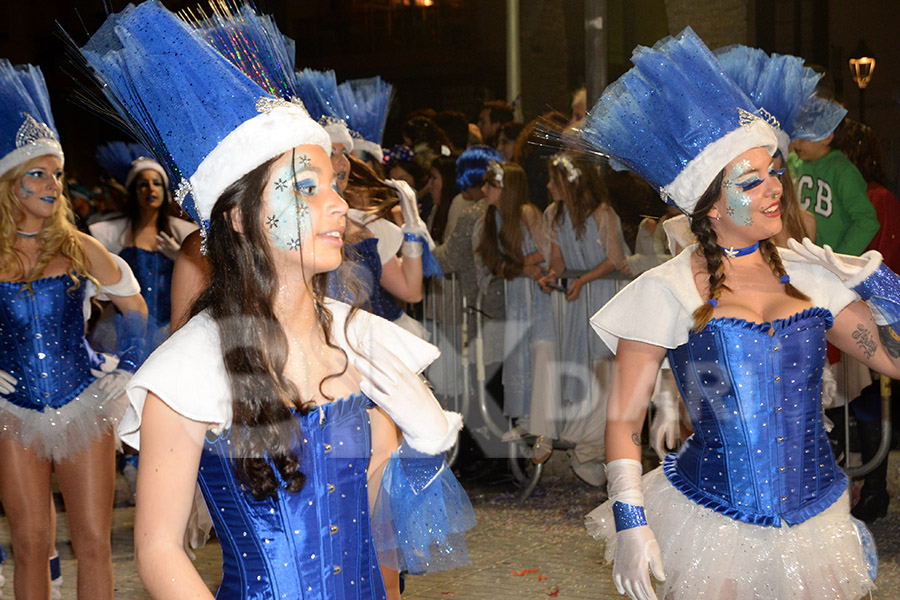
(718, 217)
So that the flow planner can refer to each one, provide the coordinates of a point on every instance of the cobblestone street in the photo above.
(536, 551)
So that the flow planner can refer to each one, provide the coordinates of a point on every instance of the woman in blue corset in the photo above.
(752, 505)
(56, 413)
(288, 407)
(148, 237)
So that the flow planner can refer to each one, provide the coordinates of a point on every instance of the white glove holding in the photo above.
(8, 383)
(852, 270)
(407, 400)
(409, 207)
(111, 385)
(664, 430)
(167, 245)
(636, 548)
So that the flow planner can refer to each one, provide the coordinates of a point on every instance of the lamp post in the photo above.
(862, 65)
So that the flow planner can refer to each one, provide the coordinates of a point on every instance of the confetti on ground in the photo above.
(554, 593)
(523, 573)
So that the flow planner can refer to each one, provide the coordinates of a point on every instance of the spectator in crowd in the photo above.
(493, 114)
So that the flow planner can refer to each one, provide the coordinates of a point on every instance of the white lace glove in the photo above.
(167, 245)
(409, 207)
(7, 383)
(852, 270)
(636, 546)
(111, 385)
(664, 428)
(407, 400)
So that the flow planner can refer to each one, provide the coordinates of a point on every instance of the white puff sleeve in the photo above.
(188, 374)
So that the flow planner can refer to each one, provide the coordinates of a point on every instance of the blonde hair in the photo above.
(57, 236)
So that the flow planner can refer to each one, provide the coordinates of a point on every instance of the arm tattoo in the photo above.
(890, 339)
(865, 341)
(636, 439)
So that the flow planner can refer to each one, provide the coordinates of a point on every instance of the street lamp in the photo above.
(862, 65)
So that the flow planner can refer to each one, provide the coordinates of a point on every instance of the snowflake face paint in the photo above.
(289, 221)
(737, 201)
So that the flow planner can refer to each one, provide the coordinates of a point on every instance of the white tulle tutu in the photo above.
(58, 433)
(708, 556)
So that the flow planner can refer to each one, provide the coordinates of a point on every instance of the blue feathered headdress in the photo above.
(117, 157)
(675, 119)
(26, 123)
(367, 103)
(207, 122)
(778, 84)
(319, 92)
(818, 119)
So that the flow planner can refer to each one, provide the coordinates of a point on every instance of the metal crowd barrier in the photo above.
(449, 320)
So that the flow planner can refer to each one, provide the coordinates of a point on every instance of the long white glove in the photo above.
(852, 270)
(7, 383)
(636, 546)
(111, 385)
(407, 400)
(167, 245)
(664, 428)
(409, 207)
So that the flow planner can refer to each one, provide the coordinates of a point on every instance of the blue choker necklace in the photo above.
(736, 252)
(25, 234)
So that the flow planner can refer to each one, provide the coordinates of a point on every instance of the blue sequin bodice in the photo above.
(315, 543)
(364, 264)
(153, 271)
(42, 341)
(759, 452)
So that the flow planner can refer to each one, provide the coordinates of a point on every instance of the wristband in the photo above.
(430, 266)
(628, 516)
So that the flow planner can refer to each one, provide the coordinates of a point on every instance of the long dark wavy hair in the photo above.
(446, 166)
(132, 209)
(712, 253)
(240, 298)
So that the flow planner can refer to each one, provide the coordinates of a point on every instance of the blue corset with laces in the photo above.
(153, 270)
(42, 342)
(759, 452)
(315, 543)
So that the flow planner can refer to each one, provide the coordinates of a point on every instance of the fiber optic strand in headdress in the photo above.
(675, 120)
(319, 93)
(367, 103)
(250, 41)
(778, 84)
(210, 122)
(25, 117)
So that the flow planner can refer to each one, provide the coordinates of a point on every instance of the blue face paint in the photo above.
(34, 178)
(289, 219)
(737, 202)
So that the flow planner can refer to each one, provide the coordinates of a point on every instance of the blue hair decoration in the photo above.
(472, 165)
(785, 278)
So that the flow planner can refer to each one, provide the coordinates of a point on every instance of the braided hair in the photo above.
(712, 253)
